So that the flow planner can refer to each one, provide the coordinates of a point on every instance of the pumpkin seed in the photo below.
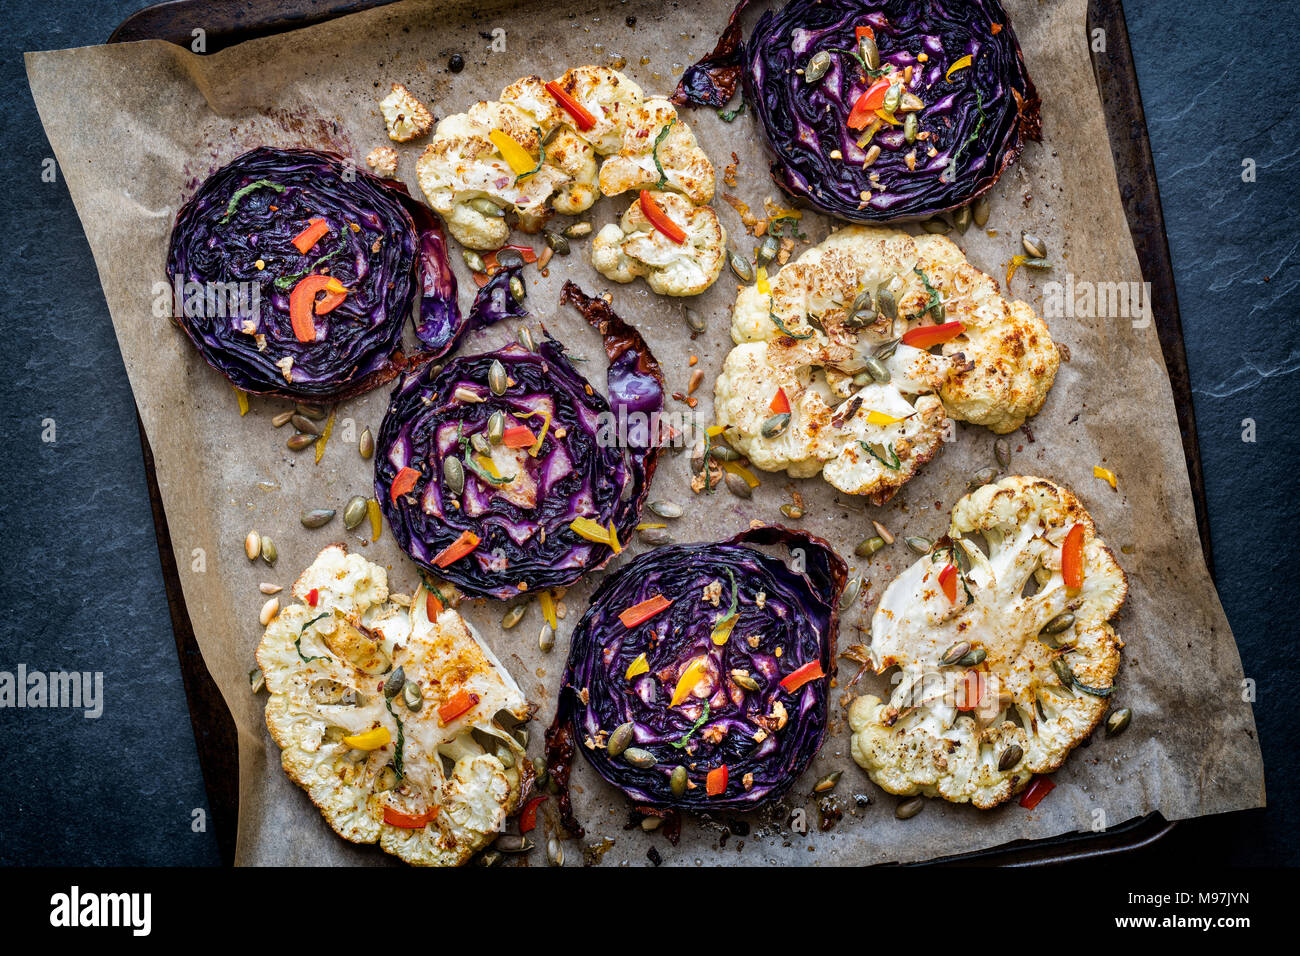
(828, 782)
(1063, 670)
(512, 843)
(354, 512)
(980, 209)
(310, 411)
(893, 97)
(767, 250)
(1010, 757)
(267, 588)
(910, 125)
(1118, 720)
(486, 207)
(775, 425)
(654, 536)
(1062, 622)
(268, 612)
(269, 551)
(394, 683)
(621, 738)
(510, 259)
(972, 657)
(743, 679)
(738, 486)
(909, 808)
(869, 546)
(412, 696)
(366, 445)
(252, 545)
(869, 51)
(861, 318)
(641, 759)
(301, 440)
(480, 443)
(256, 679)
(861, 379)
(741, 267)
(517, 290)
(793, 512)
(304, 424)
(666, 509)
(546, 640)
(506, 757)
(1036, 263)
(888, 307)
(955, 653)
(677, 781)
(557, 242)
(525, 337)
(496, 426)
(283, 418)
(694, 321)
(936, 226)
(453, 473)
(982, 478)
(851, 592)
(723, 453)
(1002, 452)
(919, 544)
(497, 377)
(577, 230)
(1036, 248)
(316, 517)
(961, 219)
(473, 260)
(514, 616)
(817, 66)
(877, 370)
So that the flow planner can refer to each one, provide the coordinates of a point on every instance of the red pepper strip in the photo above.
(581, 118)
(409, 821)
(796, 679)
(780, 403)
(715, 783)
(432, 607)
(860, 32)
(313, 596)
(970, 690)
(872, 99)
(1040, 788)
(948, 581)
(302, 303)
(316, 228)
(1072, 558)
(459, 702)
(928, 336)
(403, 482)
(518, 436)
(640, 613)
(528, 815)
(462, 546)
(659, 219)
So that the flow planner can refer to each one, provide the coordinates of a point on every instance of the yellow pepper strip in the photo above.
(737, 469)
(242, 396)
(519, 159)
(546, 427)
(779, 212)
(869, 133)
(488, 465)
(958, 65)
(325, 435)
(713, 431)
(376, 519)
(722, 630)
(1015, 263)
(638, 667)
(880, 418)
(888, 118)
(763, 286)
(613, 539)
(590, 530)
(686, 683)
(649, 525)
(370, 740)
(547, 600)
(1106, 475)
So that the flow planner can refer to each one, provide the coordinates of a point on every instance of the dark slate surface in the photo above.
(86, 593)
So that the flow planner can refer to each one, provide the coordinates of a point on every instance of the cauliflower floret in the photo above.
(633, 247)
(370, 762)
(654, 130)
(610, 98)
(406, 117)
(383, 160)
(949, 730)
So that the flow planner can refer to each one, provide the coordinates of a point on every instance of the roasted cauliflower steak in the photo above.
(868, 410)
(1031, 684)
(430, 777)
(633, 247)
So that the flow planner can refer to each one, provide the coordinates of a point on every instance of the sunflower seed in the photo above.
(651, 824)
(577, 230)
(496, 426)
(621, 738)
(305, 424)
(741, 267)
(979, 211)
(310, 411)
(412, 696)
(738, 486)
(256, 679)
(694, 321)
(554, 852)
(497, 377)
(869, 546)
(283, 418)
(316, 517)
(775, 425)
(252, 545)
(268, 612)
(269, 551)
(514, 616)
(972, 657)
(517, 290)
(1118, 721)
(641, 759)
(677, 781)
(267, 587)
(1010, 757)
(1002, 452)
(557, 242)
(354, 512)
(1036, 248)
(883, 532)
(955, 653)
(473, 260)
(546, 640)
(869, 51)
(982, 478)
(877, 370)
(817, 66)
(793, 512)
(909, 808)
(394, 683)
(851, 592)
(919, 544)
(453, 473)
(654, 536)
(1062, 622)
(961, 219)
(666, 509)
(301, 440)
(936, 226)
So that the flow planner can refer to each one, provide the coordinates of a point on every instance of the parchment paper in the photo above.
(136, 126)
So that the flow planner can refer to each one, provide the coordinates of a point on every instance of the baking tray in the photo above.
(228, 22)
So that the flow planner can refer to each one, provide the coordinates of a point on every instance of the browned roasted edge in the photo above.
(214, 732)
